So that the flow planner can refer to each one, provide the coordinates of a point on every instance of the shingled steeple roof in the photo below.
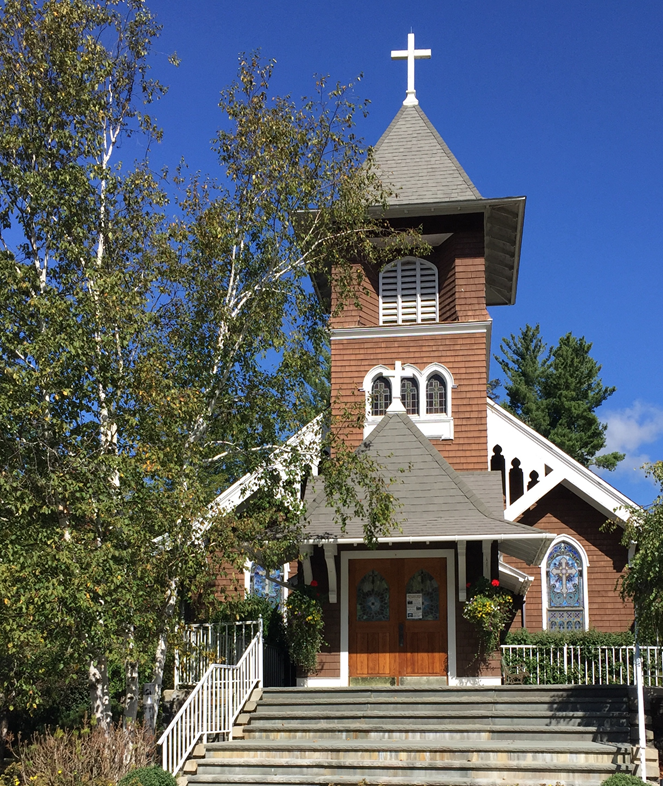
(417, 165)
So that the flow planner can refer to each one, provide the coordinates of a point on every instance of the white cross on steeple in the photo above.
(410, 54)
(396, 375)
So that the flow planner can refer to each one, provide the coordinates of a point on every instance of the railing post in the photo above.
(566, 664)
(642, 733)
(260, 654)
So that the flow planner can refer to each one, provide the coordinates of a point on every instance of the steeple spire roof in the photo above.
(416, 163)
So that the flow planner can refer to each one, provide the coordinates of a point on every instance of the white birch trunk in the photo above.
(131, 686)
(99, 692)
(160, 655)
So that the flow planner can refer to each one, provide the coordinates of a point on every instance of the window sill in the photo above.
(431, 426)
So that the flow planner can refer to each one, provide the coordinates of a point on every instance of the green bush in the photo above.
(622, 779)
(148, 776)
(251, 608)
(590, 638)
(584, 662)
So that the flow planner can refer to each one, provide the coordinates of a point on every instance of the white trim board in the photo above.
(400, 331)
(447, 554)
(536, 453)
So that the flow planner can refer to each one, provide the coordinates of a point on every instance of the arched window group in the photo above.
(435, 401)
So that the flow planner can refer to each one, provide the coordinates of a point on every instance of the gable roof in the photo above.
(553, 466)
(436, 502)
(417, 163)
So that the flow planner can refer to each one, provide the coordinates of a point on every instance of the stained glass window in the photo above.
(565, 586)
(436, 396)
(410, 396)
(373, 598)
(266, 589)
(423, 583)
(380, 396)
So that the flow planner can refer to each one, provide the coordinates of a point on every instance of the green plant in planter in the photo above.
(489, 607)
(304, 626)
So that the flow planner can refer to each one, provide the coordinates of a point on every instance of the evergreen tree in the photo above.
(556, 391)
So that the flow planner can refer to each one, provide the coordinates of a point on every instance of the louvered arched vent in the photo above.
(408, 292)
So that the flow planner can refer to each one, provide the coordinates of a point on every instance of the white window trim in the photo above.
(432, 426)
(395, 263)
(248, 566)
(544, 579)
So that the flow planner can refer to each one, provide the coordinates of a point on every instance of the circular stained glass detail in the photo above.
(373, 598)
(422, 583)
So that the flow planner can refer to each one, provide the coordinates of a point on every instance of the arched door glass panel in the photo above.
(373, 598)
(566, 591)
(422, 583)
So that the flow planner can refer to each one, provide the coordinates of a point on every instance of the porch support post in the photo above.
(307, 550)
(331, 550)
(486, 546)
(462, 571)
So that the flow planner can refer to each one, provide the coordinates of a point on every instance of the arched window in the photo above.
(410, 395)
(565, 587)
(436, 395)
(259, 585)
(380, 396)
(408, 292)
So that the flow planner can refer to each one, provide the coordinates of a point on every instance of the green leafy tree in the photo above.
(556, 390)
(642, 582)
(145, 366)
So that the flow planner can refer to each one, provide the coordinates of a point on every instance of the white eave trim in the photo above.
(319, 540)
(421, 329)
(565, 470)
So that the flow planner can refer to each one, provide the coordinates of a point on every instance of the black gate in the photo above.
(278, 671)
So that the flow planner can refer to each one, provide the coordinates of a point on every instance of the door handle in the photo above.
(401, 635)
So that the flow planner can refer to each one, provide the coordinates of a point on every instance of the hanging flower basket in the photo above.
(304, 626)
(489, 608)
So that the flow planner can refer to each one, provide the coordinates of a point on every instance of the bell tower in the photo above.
(420, 340)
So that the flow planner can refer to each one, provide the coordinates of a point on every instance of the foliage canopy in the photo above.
(556, 390)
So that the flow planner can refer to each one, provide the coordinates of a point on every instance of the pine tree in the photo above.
(556, 391)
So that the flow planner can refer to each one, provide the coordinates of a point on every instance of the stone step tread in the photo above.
(442, 699)
(396, 764)
(566, 687)
(541, 746)
(367, 712)
(349, 780)
(324, 725)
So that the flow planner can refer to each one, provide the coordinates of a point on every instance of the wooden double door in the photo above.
(397, 617)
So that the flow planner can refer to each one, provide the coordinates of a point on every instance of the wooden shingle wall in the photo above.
(465, 357)
(564, 513)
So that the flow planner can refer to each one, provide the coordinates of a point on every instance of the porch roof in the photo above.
(435, 502)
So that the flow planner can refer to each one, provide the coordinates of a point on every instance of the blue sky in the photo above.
(559, 101)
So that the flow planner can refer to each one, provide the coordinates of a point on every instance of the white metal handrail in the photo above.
(213, 705)
(202, 644)
(581, 664)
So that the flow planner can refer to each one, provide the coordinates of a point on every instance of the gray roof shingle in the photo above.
(436, 502)
(416, 163)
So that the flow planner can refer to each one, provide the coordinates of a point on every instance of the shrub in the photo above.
(252, 607)
(622, 779)
(148, 776)
(91, 756)
(579, 638)
(303, 627)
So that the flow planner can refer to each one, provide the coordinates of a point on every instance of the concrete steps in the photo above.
(447, 736)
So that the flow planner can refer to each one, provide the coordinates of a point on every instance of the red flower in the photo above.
(469, 584)
(495, 583)
(314, 583)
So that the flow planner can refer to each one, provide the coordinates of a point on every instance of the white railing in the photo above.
(579, 665)
(201, 645)
(213, 705)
